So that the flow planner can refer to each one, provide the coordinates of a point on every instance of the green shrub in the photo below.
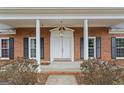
(101, 73)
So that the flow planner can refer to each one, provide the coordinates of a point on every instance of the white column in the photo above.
(38, 41)
(85, 39)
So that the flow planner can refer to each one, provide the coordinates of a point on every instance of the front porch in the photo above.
(36, 35)
(62, 68)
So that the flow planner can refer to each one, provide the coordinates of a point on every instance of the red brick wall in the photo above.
(30, 32)
(78, 33)
(94, 32)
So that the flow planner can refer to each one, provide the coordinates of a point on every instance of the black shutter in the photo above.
(98, 47)
(11, 48)
(42, 48)
(113, 48)
(26, 48)
(81, 48)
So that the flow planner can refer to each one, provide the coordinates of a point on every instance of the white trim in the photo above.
(4, 38)
(72, 47)
(7, 31)
(94, 38)
(85, 34)
(29, 44)
(119, 37)
(94, 47)
(86, 8)
(116, 31)
(5, 58)
(51, 57)
(72, 37)
(119, 57)
(57, 29)
(62, 16)
(38, 42)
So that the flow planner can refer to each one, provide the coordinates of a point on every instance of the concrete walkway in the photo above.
(62, 66)
(61, 80)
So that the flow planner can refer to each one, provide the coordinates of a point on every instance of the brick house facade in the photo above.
(102, 32)
(101, 44)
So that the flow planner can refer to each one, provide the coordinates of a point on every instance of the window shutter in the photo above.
(42, 48)
(113, 48)
(26, 48)
(11, 48)
(98, 47)
(81, 48)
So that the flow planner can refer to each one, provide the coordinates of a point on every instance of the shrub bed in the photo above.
(95, 72)
(22, 72)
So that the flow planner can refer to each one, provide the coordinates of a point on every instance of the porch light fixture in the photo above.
(61, 30)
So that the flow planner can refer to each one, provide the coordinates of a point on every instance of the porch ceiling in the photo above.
(11, 16)
(66, 22)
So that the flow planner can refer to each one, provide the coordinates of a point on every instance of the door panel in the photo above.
(66, 47)
(56, 48)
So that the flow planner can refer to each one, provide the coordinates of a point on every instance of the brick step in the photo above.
(62, 60)
(62, 73)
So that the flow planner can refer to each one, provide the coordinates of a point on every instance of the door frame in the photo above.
(72, 43)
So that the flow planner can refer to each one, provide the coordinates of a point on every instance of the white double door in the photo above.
(61, 46)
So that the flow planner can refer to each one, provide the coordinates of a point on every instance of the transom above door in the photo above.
(62, 46)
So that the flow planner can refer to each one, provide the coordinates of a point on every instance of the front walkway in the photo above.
(61, 80)
(62, 73)
(62, 67)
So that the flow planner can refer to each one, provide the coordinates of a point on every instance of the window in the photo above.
(119, 47)
(4, 47)
(32, 47)
(92, 51)
(91, 47)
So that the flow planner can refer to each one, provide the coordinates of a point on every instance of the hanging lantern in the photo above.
(61, 30)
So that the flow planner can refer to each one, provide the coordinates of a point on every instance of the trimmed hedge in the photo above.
(95, 72)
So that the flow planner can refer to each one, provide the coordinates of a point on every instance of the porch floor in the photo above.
(62, 67)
